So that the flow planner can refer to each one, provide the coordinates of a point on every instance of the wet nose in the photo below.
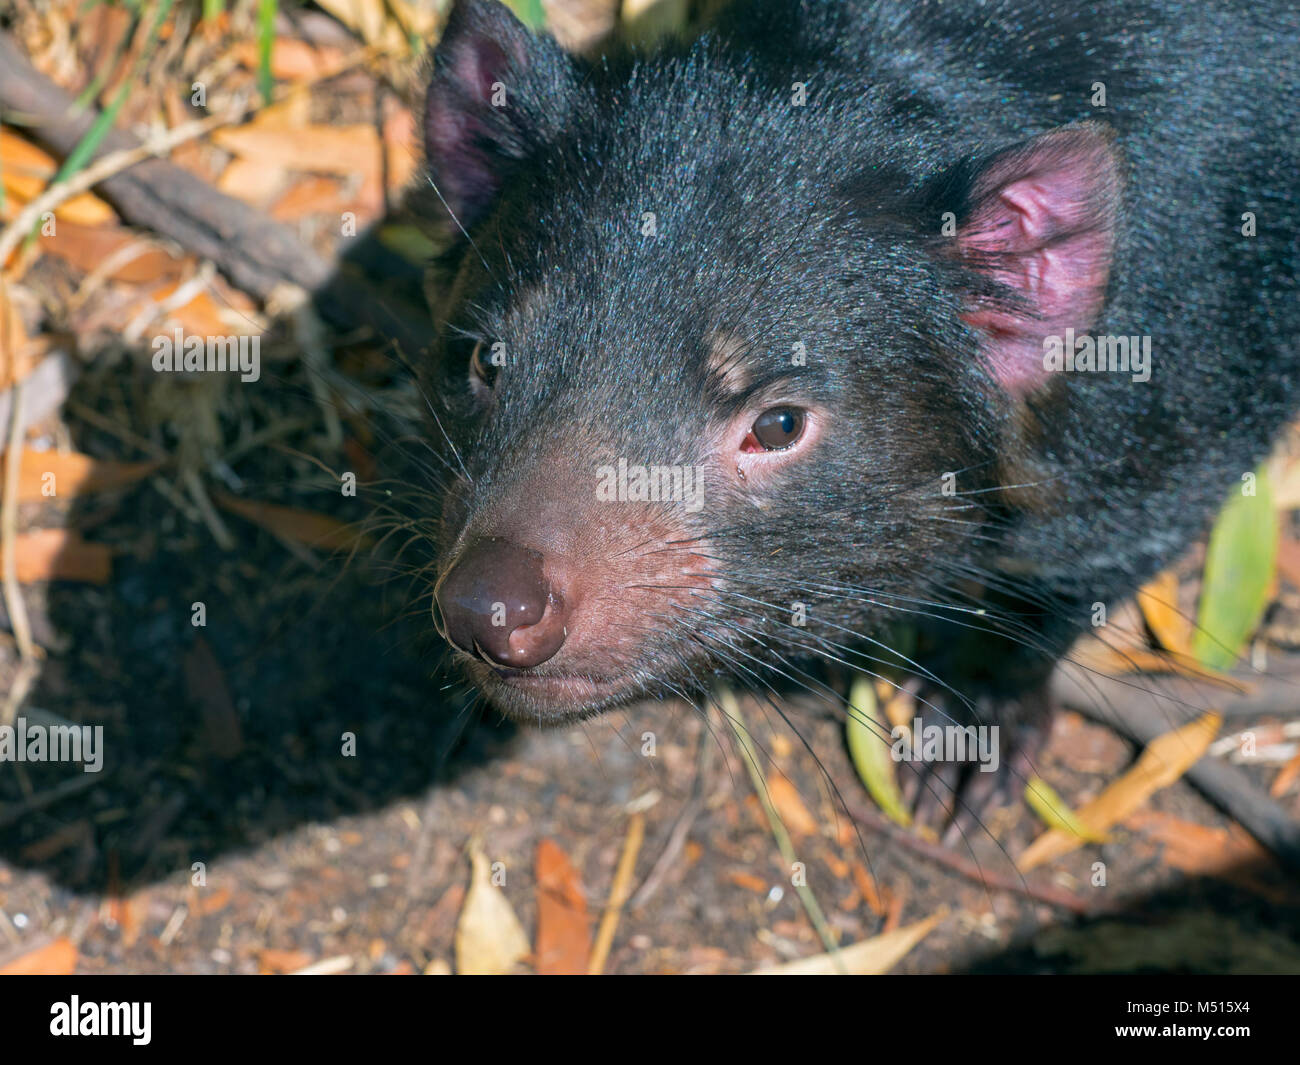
(495, 602)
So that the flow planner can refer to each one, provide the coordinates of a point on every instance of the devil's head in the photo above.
(707, 353)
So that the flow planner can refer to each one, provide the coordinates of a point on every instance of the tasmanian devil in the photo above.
(959, 317)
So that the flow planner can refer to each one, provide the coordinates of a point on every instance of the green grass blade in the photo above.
(266, 12)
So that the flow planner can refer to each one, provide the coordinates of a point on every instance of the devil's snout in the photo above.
(496, 603)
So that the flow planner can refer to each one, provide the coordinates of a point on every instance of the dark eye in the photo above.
(483, 371)
(775, 430)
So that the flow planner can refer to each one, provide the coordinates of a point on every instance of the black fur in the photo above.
(821, 224)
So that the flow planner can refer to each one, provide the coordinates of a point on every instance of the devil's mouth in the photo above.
(551, 698)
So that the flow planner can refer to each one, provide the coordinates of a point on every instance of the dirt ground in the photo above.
(232, 757)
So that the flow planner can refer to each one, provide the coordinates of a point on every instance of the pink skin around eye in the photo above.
(753, 460)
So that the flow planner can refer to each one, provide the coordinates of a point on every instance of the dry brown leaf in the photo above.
(1288, 560)
(201, 316)
(271, 961)
(748, 881)
(384, 23)
(401, 143)
(56, 958)
(309, 195)
(866, 884)
(211, 902)
(789, 806)
(1199, 849)
(1118, 662)
(1165, 759)
(899, 704)
(489, 938)
(61, 555)
(563, 930)
(871, 957)
(1159, 602)
(1286, 776)
(302, 526)
(342, 150)
(1284, 473)
(67, 474)
(291, 59)
(18, 356)
(206, 687)
(73, 834)
(26, 171)
(90, 247)
(252, 181)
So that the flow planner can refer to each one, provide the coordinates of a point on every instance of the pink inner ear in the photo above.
(461, 127)
(1043, 226)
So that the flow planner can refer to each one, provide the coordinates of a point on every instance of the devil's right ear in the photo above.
(497, 92)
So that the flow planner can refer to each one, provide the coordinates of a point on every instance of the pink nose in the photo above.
(496, 603)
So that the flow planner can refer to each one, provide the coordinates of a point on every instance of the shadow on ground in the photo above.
(223, 735)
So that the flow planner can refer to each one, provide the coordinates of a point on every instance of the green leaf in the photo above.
(530, 12)
(1056, 812)
(869, 747)
(1239, 567)
(408, 241)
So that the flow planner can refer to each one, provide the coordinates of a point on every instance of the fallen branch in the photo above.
(103, 168)
(257, 253)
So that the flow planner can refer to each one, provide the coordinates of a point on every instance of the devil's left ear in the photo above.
(1038, 224)
(497, 93)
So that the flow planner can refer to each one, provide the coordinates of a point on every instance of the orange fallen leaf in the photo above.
(1165, 760)
(748, 881)
(1118, 662)
(310, 195)
(252, 181)
(128, 913)
(1286, 776)
(89, 247)
(343, 150)
(866, 884)
(61, 555)
(65, 474)
(18, 355)
(271, 960)
(201, 316)
(214, 902)
(401, 142)
(56, 958)
(1199, 849)
(1288, 560)
(26, 171)
(301, 526)
(789, 806)
(291, 59)
(1158, 599)
(563, 929)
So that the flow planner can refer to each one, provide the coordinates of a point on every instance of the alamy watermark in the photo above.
(626, 483)
(28, 742)
(946, 743)
(180, 353)
(1103, 354)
